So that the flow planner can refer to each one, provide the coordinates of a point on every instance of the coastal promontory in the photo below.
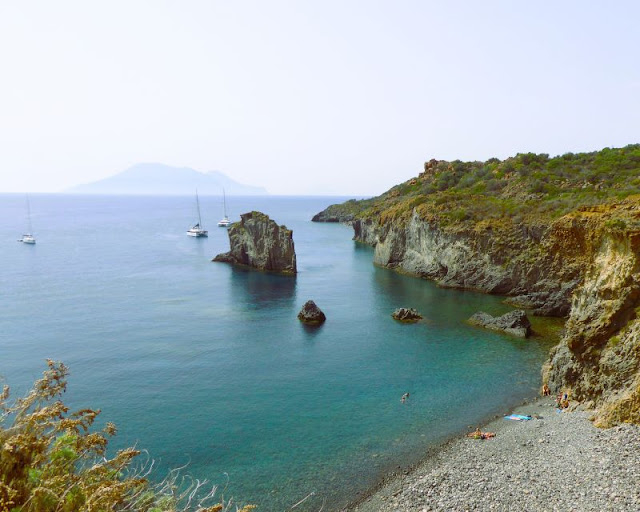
(258, 242)
(559, 236)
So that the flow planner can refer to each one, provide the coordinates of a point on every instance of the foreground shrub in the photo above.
(52, 461)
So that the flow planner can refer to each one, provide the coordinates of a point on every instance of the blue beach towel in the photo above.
(517, 417)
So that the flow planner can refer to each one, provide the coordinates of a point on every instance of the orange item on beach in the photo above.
(481, 435)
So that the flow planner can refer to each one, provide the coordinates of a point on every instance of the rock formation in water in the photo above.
(515, 323)
(257, 241)
(311, 314)
(406, 315)
(559, 236)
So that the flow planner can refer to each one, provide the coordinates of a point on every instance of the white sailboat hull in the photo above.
(27, 239)
(197, 232)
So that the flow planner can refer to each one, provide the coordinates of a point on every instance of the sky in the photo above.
(326, 97)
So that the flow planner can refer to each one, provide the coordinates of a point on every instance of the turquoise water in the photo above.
(207, 365)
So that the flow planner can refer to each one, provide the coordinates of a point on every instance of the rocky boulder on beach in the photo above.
(311, 314)
(515, 323)
(258, 242)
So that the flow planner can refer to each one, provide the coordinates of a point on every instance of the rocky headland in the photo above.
(557, 236)
(344, 212)
(258, 242)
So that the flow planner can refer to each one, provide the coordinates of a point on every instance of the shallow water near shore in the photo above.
(206, 365)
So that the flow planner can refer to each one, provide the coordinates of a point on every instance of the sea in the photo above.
(206, 367)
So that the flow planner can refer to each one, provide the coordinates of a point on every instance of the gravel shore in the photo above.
(556, 462)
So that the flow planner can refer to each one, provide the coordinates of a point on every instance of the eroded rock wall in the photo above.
(502, 259)
(598, 360)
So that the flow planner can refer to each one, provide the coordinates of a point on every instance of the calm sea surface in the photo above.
(207, 365)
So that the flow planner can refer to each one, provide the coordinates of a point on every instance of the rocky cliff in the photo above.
(493, 257)
(598, 360)
(557, 238)
(258, 242)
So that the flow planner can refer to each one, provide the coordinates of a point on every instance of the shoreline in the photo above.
(558, 461)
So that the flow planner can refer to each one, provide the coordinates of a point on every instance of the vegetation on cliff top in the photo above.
(53, 460)
(526, 186)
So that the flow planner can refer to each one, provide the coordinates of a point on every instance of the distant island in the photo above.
(160, 179)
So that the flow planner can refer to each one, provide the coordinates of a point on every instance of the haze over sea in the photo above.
(206, 364)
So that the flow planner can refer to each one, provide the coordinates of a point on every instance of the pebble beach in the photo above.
(557, 461)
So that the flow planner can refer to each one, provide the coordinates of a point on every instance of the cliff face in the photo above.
(492, 257)
(257, 241)
(585, 264)
(598, 359)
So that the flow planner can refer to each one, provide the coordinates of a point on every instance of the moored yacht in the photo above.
(28, 238)
(197, 230)
(225, 222)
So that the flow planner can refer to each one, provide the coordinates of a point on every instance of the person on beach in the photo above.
(546, 391)
(479, 434)
(562, 400)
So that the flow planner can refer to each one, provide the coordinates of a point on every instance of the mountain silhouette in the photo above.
(160, 179)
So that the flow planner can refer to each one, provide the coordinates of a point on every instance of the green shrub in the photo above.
(616, 224)
(52, 460)
(542, 186)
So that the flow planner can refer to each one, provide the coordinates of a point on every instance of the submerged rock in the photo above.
(406, 315)
(311, 314)
(258, 242)
(515, 323)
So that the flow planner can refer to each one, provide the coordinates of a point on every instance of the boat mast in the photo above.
(198, 205)
(224, 202)
(29, 216)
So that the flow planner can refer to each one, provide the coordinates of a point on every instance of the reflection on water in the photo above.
(311, 331)
(258, 290)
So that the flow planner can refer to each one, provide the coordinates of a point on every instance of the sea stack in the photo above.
(258, 242)
(311, 314)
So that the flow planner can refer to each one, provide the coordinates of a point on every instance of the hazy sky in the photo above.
(324, 97)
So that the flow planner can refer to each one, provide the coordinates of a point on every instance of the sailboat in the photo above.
(197, 230)
(28, 237)
(225, 222)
